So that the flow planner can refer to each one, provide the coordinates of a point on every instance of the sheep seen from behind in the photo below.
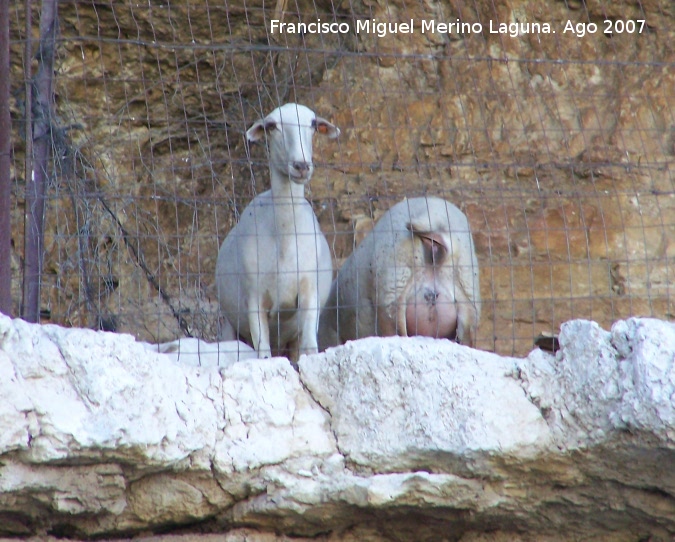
(274, 268)
(415, 273)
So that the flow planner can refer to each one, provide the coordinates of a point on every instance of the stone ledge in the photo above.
(379, 439)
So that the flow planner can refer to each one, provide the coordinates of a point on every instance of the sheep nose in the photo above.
(302, 167)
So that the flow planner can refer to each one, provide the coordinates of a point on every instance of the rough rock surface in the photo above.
(559, 148)
(378, 440)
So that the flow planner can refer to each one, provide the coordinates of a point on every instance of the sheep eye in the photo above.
(270, 126)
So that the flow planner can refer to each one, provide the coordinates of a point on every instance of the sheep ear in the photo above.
(326, 128)
(258, 130)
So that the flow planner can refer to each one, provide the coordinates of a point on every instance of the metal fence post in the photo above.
(36, 181)
(5, 181)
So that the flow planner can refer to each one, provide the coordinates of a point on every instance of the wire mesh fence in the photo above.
(557, 144)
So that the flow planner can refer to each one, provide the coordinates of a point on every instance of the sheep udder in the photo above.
(430, 311)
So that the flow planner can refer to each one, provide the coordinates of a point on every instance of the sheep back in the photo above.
(415, 273)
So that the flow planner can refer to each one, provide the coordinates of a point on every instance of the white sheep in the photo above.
(274, 268)
(199, 353)
(415, 273)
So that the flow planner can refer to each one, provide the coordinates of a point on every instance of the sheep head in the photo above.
(288, 131)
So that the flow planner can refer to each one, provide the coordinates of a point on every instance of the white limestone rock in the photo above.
(122, 438)
(601, 382)
(380, 439)
(423, 404)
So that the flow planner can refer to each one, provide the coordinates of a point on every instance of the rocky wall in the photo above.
(558, 147)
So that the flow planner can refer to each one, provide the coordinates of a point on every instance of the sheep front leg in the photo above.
(260, 329)
(309, 330)
(308, 305)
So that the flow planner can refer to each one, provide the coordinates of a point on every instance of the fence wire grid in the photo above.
(558, 146)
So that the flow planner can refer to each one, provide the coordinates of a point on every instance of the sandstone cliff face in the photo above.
(379, 440)
(559, 148)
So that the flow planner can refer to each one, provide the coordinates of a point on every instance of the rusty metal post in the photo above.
(5, 181)
(36, 179)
